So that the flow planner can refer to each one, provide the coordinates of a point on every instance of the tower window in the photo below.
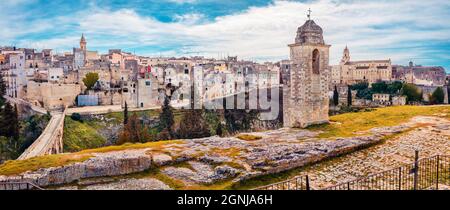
(316, 61)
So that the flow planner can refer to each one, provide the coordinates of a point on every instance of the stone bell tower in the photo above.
(306, 100)
(83, 43)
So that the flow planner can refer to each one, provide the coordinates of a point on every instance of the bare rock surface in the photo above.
(278, 150)
(200, 173)
(432, 138)
(131, 184)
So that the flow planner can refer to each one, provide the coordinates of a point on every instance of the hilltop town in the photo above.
(54, 81)
(322, 111)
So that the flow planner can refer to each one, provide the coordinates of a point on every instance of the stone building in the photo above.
(420, 75)
(350, 72)
(306, 99)
(381, 98)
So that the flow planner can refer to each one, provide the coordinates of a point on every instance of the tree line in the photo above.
(194, 123)
(411, 91)
(17, 135)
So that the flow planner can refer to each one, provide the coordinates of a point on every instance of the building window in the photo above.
(147, 83)
(316, 62)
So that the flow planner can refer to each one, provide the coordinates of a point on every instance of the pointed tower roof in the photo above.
(82, 38)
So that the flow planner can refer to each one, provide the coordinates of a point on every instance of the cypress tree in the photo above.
(2, 90)
(166, 118)
(7, 122)
(335, 96)
(125, 114)
(349, 96)
(15, 124)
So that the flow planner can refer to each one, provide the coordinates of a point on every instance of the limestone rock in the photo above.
(162, 159)
(131, 184)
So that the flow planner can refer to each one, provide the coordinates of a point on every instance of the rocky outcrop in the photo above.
(106, 164)
(213, 159)
(134, 184)
(201, 173)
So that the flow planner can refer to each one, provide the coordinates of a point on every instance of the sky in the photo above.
(258, 30)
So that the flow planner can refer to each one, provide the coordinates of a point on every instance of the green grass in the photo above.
(345, 125)
(80, 136)
(15, 167)
(248, 137)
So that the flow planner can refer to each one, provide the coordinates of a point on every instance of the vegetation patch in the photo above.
(156, 146)
(248, 137)
(80, 136)
(14, 167)
(346, 125)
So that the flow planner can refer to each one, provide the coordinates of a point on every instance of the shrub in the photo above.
(438, 96)
(412, 93)
(76, 117)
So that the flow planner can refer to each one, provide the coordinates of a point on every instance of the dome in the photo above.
(309, 33)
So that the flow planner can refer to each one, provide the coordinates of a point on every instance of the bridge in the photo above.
(51, 139)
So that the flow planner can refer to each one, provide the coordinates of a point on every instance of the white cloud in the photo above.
(264, 32)
(192, 18)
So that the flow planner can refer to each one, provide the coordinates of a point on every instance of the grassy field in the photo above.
(80, 136)
(14, 167)
(345, 125)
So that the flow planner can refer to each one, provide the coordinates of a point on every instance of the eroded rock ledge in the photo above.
(213, 159)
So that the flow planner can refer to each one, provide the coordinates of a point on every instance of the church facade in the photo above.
(305, 99)
(351, 72)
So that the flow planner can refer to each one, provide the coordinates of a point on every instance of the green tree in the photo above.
(15, 124)
(412, 93)
(2, 90)
(448, 94)
(125, 114)
(362, 90)
(438, 96)
(166, 119)
(379, 87)
(134, 132)
(8, 120)
(90, 79)
(76, 117)
(335, 96)
(349, 96)
(395, 87)
(219, 129)
(193, 124)
(239, 119)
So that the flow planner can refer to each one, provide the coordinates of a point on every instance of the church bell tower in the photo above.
(83, 43)
(306, 101)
